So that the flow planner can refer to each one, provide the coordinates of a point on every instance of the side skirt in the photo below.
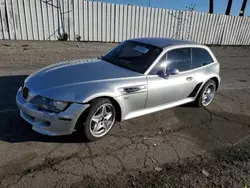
(156, 109)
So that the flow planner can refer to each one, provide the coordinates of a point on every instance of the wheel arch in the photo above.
(216, 80)
(201, 85)
(114, 102)
(81, 118)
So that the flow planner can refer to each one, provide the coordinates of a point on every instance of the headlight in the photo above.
(49, 104)
(59, 105)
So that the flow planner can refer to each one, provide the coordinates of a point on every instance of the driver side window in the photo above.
(160, 66)
(179, 59)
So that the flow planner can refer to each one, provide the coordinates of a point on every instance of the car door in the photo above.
(174, 88)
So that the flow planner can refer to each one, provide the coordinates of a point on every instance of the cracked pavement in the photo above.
(28, 159)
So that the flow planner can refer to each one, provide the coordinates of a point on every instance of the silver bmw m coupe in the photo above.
(138, 77)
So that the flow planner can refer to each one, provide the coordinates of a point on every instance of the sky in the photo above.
(201, 5)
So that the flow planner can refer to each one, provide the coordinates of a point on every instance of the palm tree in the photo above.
(243, 8)
(211, 6)
(229, 5)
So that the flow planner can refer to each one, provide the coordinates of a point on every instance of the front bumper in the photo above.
(50, 123)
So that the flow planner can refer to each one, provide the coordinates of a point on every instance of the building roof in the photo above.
(162, 42)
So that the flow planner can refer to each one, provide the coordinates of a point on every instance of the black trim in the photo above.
(65, 119)
(195, 90)
(25, 92)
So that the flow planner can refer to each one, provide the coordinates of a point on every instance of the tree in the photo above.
(243, 8)
(229, 5)
(211, 6)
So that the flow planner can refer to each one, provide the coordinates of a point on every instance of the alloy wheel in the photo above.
(102, 120)
(208, 94)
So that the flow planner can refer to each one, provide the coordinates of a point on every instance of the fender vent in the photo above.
(195, 90)
(132, 89)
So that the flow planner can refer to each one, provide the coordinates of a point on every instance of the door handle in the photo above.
(189, 78)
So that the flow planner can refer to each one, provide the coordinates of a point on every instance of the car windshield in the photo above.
(135, 56)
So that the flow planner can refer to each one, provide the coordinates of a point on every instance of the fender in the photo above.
(201, 84)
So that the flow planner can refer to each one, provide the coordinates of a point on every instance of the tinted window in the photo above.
(161, 65)
(133, 55)
(200, 57)
(179, 59)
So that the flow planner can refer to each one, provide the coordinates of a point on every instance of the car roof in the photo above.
(162, 42)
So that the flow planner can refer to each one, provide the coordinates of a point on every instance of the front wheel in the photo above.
(99, 120)
(206, 94)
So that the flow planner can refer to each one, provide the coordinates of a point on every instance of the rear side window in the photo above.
(200, 57)
(179, 59)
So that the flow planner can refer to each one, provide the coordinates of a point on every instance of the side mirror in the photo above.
(162, 74)
(171, 71)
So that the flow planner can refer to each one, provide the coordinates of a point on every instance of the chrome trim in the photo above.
(133, 89)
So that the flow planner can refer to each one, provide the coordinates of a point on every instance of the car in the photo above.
(139, 76)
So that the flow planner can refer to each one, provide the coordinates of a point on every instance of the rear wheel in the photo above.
(206, 94)
(99, 120)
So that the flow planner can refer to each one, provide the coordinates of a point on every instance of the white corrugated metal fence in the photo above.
(105, 22)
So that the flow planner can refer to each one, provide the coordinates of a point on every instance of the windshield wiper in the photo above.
(108, 60)
(100, 57)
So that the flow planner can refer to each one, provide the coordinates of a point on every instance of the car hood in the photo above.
(75, 72)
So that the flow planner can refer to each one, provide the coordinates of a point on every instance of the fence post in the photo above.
(4, 18)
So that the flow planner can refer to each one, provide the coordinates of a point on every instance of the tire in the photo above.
(199, 102)
(90, 124)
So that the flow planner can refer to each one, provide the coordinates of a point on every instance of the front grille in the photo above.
(25, 92)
